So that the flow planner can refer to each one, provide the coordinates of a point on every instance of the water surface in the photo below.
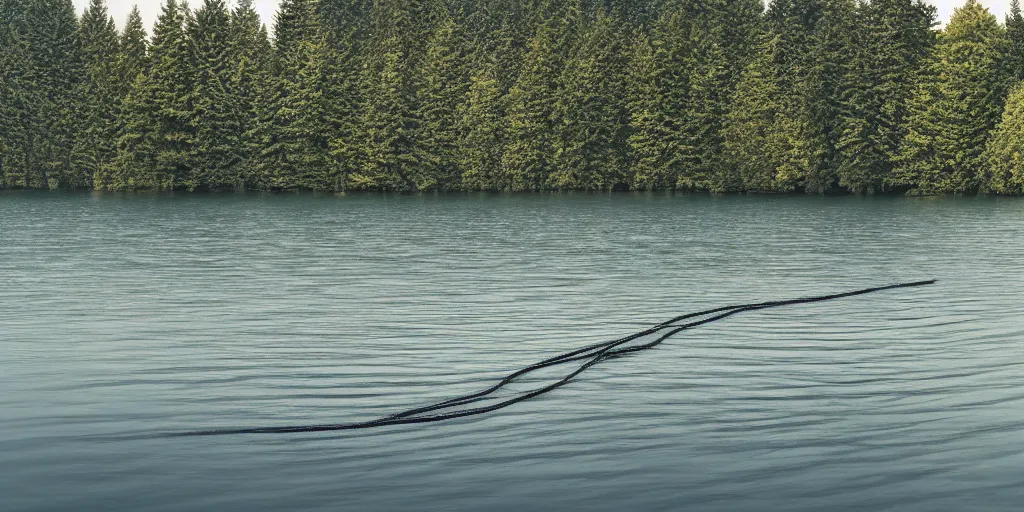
(140, 314)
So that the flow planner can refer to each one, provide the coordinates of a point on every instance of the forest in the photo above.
(809, 96)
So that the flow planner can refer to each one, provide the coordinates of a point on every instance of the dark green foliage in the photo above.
(133, 58)
(347, 26)
(530, 130)
(388, 151)
(818, 96)
(767, 143)
(19, 100)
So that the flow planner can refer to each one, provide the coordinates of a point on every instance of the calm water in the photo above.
(129, 315)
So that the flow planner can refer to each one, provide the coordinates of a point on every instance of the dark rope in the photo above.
(592, 355)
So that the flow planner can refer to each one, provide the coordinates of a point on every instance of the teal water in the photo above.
(125, 316)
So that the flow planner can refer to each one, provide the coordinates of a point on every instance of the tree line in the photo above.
(816, 96)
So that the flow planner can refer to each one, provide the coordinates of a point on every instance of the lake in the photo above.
(126, 316)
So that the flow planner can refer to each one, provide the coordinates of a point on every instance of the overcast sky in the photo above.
(151, 8)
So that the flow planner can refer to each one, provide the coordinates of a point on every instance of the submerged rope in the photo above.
(592, 355)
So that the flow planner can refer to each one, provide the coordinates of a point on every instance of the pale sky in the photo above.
(151, 8)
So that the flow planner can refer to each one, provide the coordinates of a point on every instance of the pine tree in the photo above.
(1004, 156)
(294, 134)
(156, 135)
(388, 153)
(958, 102)
(214, 155)
(101, 92)
(529, 149)
(890, 41)
(646, 144)
(347, 23)
(250, 50)
(441, 89)
(480, 122)
(134, 47)
(51, 35)
(767, 146)
(590, 150)
(19, 100)
(130, 63)
(719, 44)
(667, 152)
(1015, 32)
(414, 95)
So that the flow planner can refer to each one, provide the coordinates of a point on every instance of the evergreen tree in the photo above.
(722, 35)
(891, 42)
(500, 32)
(441, 89)
(55, 56)
(294, 135)
(348, 26)
(958, 101)
(767, 146)
(214, 156)
(19, 100)
(156, 135)
(480, 123)
(590, 152)
(414, 95)
(1004, 156)
(101, 93)
(249, 50)
(1015, 32)
(647, 149)
(134, 47)
(388, 126)
(529, 148)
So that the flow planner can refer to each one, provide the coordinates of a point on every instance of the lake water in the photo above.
(127, 316)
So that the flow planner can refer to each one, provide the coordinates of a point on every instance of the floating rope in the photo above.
(591, 355)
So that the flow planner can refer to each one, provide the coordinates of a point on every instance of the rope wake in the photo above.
(587, 357)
